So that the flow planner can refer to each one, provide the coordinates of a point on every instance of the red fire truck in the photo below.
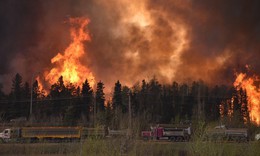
(171, 133)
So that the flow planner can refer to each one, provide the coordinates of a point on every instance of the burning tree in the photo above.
(252, 101)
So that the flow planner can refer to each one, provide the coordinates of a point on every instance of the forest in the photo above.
(149, 102)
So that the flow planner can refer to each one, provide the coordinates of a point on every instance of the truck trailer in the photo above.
(176, 134)
(223, 133)
(34, 134)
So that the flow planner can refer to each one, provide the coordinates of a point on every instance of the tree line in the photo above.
(149, 101)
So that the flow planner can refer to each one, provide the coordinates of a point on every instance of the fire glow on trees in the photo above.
(253, 94)
(68, 64)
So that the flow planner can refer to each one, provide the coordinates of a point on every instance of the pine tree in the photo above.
(16, 96)
(100, 97)
(154, 100)
(167, 106)
(135, 99)
(87, 100)
(117, 97)
(39, 108)
(117, 104)
(125, 99)
(3, 104)
(35, 90)
(185, 108)
(244, 108)
(175, 100)
(144, 97)
(108, 114)
(212, 107)
(59, 94)
(26, 91)
(2, 95)
(71, 95)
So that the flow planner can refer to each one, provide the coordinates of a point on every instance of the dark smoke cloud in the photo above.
(221, 37)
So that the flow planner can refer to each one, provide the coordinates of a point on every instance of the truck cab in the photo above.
(6, 135)
(257, 137)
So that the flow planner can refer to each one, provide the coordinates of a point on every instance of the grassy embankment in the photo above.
(122, 146)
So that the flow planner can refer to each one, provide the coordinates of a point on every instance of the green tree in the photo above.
(38, 107)
(60, 98)
(117, 105)
(117, 97)
(2, 95)
(72, 98)
(154, 100)
(143, 97)
(125, 99)
(87, 100)
(186, 110)
(16, 96)
(135, 100)
(36, 93)
(100, 97)
(212, 107)
(3, 103)
(26, 94)
(167, 104)
(108, 114)
(175, 100)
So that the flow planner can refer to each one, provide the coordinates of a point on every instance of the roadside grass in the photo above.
(199, 148)
(128, 147)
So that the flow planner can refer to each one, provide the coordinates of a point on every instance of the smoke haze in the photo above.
(131, 40)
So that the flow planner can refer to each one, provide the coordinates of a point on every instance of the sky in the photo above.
(131, 40)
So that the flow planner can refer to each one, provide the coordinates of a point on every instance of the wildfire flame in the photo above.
(68, 64)
(40, 85)
(253, 93)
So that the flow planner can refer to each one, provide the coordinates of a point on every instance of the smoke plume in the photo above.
(131, 40)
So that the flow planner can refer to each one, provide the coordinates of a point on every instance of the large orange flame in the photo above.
(253, 92)
(68, 64)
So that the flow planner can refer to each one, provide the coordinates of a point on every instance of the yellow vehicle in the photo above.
(34, 134)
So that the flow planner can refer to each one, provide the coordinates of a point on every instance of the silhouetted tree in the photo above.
(144, 97)
(72, 96)
(175, 100)
(36, 93)
(125, 99)
(244, 107)
(87, 99)
(117, 97)
(39, 108)
(154, 99)
(16, 96)
(3, 104)
(136, 99)
(108, 114)
(100, 97)
(60, 96)
(186, 110)
(117, 104)
(26, 95)
(212, 107)
(167, 105)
